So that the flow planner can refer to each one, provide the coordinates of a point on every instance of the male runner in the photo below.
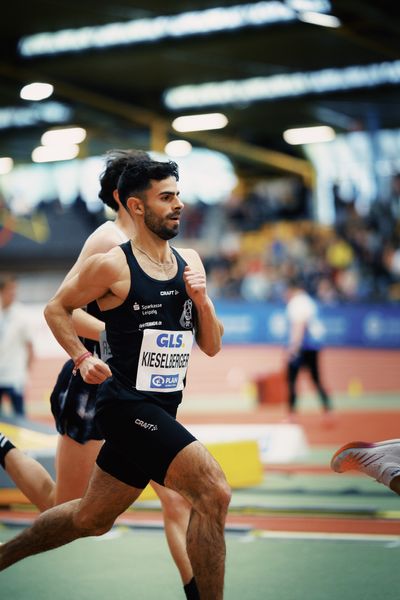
(153, 297)
(73, 401)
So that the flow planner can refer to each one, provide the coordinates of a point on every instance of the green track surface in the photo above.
(135, 564)
(320, 493)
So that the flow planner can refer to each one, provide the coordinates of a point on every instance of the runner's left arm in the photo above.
(86, 325)
(208, 329)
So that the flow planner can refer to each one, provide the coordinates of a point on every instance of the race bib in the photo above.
(163, 360)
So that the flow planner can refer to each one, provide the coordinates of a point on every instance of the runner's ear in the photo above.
(135, 205)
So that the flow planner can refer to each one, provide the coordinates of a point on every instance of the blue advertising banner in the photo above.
(365, 326)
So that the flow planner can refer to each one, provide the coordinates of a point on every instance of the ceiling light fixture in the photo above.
(283, 85)
(199, 22)
(178, 148)
(202, 122)
(316, 18)
(68, 135)
(6, 165)
(309, 135)
(43, 154)
(36, 91)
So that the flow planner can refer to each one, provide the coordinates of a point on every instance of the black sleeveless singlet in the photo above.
(149, 336)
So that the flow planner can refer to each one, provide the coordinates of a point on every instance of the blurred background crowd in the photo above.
(253, 241)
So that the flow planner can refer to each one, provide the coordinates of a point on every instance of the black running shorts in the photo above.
(73, 406)
(142, 439)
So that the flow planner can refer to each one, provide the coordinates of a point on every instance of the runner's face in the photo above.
(162, 208)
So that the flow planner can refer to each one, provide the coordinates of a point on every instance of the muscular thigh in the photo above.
(142, 439)
(105, 499)
(193, 471)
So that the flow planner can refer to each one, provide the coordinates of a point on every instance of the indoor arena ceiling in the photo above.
(117, 92)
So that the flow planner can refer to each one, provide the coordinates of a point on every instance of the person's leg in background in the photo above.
(30, 477)
(176, 513)
(17, 402)
(292, 372)
(311, 361)
(74, 465)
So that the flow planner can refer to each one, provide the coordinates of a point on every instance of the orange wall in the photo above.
(237, 366)
(375, 370)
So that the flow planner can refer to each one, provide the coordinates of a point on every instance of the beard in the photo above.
(164, 228)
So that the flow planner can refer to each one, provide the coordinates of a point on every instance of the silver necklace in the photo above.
(162, 265)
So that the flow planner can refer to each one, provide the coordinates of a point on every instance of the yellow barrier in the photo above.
(240, 460)
(27, 439)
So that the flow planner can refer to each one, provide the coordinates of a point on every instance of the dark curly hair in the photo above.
(116, 162)
(138, 174)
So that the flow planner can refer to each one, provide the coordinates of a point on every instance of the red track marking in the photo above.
(319, 524)
(256, 522)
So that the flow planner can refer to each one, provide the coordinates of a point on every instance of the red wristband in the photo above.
(80, 360)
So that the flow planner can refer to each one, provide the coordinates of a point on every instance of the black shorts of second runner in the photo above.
(142, 439)
(73, 406)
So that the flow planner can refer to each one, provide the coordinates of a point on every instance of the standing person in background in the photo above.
(73, 400)
(303, 346)
(153, 299)
(16, 345)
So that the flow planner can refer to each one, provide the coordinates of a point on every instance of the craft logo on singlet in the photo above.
(164, 381)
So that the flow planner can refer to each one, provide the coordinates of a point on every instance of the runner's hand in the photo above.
(195, 283)
(94, 371)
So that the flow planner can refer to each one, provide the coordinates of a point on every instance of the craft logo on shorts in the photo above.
(148, 426)
(163, 382)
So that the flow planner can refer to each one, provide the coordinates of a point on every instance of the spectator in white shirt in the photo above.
(304, 346)
(16, 345)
